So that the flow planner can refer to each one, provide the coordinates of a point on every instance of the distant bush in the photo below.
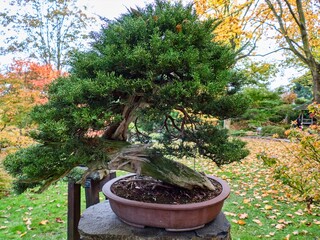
(299, 101)
(286, 111)
(276, 118)
(238, 133)
(273, 130)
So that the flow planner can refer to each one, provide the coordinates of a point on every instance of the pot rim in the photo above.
(221, 197)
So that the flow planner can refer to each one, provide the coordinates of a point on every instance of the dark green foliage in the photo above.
(153, 70)
(271, 130)
(299, 101)
(266, 106)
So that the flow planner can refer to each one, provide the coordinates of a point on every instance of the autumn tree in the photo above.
(257, 73)
(153, 71)
(22, 88)
(237, 26)
(47, 31)
(294, 24)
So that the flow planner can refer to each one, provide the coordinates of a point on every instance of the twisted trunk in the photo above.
(144, 160)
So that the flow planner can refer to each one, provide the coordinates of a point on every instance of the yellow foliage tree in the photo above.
(294, 24)
(237, 27)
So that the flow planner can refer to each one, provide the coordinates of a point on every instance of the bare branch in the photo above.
(285, 33)
(266, 54)
(173, 123)
(292, 12)
(137, 130)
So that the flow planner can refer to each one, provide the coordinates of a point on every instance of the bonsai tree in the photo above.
(150, 79)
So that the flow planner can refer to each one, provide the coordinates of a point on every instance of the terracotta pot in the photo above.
(180, 217)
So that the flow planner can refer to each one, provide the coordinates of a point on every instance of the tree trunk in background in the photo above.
(316, 83)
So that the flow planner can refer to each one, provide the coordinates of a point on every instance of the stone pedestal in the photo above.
(98, 222)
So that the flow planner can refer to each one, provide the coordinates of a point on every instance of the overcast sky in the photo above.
(114, 8)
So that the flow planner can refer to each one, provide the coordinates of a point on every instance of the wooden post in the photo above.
(92, 189)
(92, 192)
(73, 210)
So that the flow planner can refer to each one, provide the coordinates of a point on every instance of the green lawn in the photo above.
(258, 207)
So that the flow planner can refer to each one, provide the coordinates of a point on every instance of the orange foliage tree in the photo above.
(22, 88)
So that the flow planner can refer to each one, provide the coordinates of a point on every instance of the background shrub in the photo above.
(272, 130)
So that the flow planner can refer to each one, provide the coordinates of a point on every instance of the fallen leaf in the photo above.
(44, 222)
(280, 226)
(257, 221)
(230, 214)
(3, 227)
(299, 212)
(316, 222)
(234, 220)
(59, 220)
(28, 223)
(295, 233)
(268, 207)
(246, 201)
(243, 215)
(241, 222)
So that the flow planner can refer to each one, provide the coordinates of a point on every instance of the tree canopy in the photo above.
(154, 70)
(46, 31)
(293, 24)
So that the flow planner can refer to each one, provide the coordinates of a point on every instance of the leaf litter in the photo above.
(257, 198)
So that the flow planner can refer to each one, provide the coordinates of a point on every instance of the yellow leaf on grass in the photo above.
(268, 207)
(3, 227)
(246, 200)
(241, 222)
(44, 222)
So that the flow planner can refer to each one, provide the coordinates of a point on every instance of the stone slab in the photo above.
(98, 222)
